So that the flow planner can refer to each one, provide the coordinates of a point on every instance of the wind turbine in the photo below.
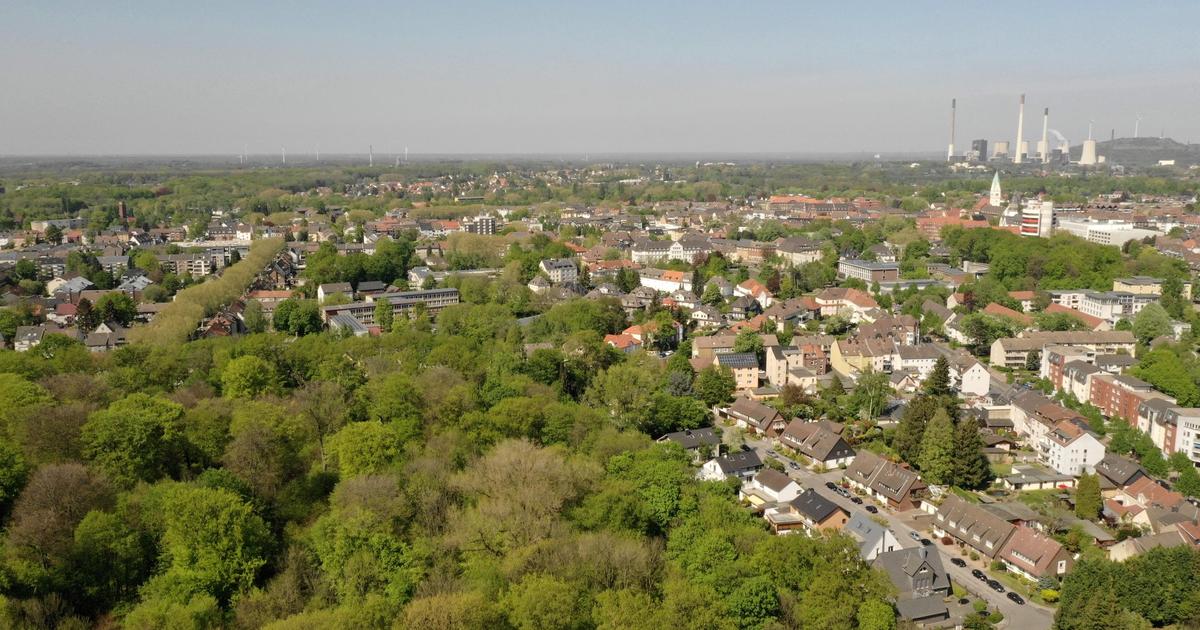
(1137, 124)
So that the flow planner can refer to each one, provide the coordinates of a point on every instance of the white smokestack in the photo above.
(953, 109)
(1044, 147)
(1020, 129)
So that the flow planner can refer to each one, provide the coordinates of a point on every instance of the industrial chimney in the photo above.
(1044, 145)
(1020, 130)
(953, 108)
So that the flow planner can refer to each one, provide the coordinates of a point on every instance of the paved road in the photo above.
(999, 382)
(1028, 617)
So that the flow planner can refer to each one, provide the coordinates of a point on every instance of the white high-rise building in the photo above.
(1037, 219)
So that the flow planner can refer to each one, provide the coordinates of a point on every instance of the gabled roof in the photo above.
(773, 479)
(693, 438)
(814, 506)
(739, 461)
(1031, 551)
(815, 441)
(882, 476)
(1121, 471)
(973, 525)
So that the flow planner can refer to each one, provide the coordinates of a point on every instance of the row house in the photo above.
(898, 487)
(789, 365)
(798, 251)
(754, 416)
(972, 526)
(1033, 415)
(1055, 357)
(1172, 428)
(903, 329)
(822, 442)
(1013, 352)
(1034, 555)
(1119, 396)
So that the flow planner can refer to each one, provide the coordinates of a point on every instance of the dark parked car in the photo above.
(1016, 599)
(926, 542)
(995, 586)
(959, 562)
(977, 574)
(793, 465)
(872, 509)
(856, 500)
(830, 485)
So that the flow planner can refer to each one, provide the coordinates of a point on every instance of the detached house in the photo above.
(873, 538)
(741, 465)
(769, 486)
(809, 511)
(695, 441)
(921, 583)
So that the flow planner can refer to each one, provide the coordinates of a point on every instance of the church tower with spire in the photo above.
(994, 197)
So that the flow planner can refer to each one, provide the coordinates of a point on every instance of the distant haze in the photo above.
(584, 78)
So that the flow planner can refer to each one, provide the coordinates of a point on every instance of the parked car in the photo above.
(959, 562)
(1016, 599)
(793, 465)
(915, 536)
(856, 500)
(831, 485)
(979, 575)
(772, 453)
(995, 586)
(872, 509)
(926, 542)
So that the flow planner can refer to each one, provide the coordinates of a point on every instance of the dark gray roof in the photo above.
(1119, 470)
(693, 438)
(814, 506)
(738, 360)
(739, 461)
(915, 609)
(915, 571)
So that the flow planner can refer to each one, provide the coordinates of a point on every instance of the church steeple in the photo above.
(994, 198)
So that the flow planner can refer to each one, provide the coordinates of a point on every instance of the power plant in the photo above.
(1018, 151)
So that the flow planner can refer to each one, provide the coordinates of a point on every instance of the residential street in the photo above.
(1030, 616)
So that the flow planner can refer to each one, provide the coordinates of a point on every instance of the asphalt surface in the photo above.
(1027, 617)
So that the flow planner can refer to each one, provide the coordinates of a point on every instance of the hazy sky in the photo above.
(118, 77)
